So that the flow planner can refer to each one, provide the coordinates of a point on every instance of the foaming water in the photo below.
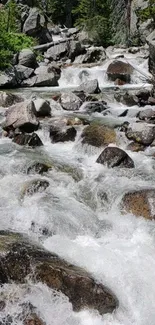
(79, 218)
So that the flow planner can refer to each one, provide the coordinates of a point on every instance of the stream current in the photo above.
(82, 226)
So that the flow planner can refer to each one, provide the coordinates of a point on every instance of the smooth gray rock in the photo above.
(70, 101)
(44, 76)
(27, 58)
(22, 116)
(90, 87)
(115, 157)
(56, 52)
(147, 114)
(141, 133)
(23, 72)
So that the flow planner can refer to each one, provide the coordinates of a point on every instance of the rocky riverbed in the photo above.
(77, 196)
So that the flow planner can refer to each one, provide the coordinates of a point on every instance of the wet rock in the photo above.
(34, 186)
(27, 58)
(75, 49)
(98, 135)
(8, 99)
(143, 96)
(147, 114)
(95, 106)
(42, 107)
(31, 140)
(135, 147)
(140, 203)
(23, 72)
(70, 101)
(93, 54)
(115, 157)
(119, 82)
(126, 98)
(58, 135)
(44, 76)
(151, 101)
(74, 121)
(20, 258)
(38, 168)
(119, 70)
(141, 133)
(33, 319)
(8, 79)
(22, 116)
(56, 52)
(90, 87)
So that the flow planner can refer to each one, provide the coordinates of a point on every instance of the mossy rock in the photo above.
(98, 135)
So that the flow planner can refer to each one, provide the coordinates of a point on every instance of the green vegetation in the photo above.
(147, 13)
(10, 40)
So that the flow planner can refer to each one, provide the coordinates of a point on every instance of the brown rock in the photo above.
(33, 319)
(135, 147)
(140, 203)
(119, 82)
(98, 135)
(119, 70)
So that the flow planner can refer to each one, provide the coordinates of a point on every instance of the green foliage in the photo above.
(94, 17)
(147, 13)
(10, 41)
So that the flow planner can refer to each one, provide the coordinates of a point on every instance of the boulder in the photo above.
(34, 186)
(8, 79)
(135, 147)
(27, 58)
(115, 157)
(92, 55)
(90, 87)
(58, 135)
(70, 101)
(22, 116)
(31, 140)
(44, 76)
(75, 49)
(151, 43)
(42, 107)
(147, 114)
(119, 70)
(92, 107)
(38, 168)
(56, 52)
(140, 203)
(34, 26)
(141, 133)
(8, 99)
(20, 257)
(98, 135)
(23, 72)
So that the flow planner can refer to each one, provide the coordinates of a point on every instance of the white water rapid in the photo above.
(83, 228)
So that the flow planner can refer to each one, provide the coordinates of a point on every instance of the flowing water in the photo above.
(82, 226)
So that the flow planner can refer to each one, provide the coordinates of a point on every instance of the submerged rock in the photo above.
(20, 258)
(135, 147)
(94, 106)
(115, 157)
(98, 135)
(34, 186)
(22, 116)
(141, 133)
(119, 70)
(31, 140)
(38, 168)
(58, 135)
(33, 319)
(140, 203)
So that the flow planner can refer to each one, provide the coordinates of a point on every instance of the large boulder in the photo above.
(93, 54)
(7, 99)
(141, 133)
(58, 135)
(42, 107)
(75, 49)
(70, 101)
(119, 70)
(27, 58)
(23, 72)
(44, 76)
(140, 203)
(90, 87)
(35, 26)
(31, 140)
(57, 51)
(19, 258)
(98, 135)
(115, 157)
(22, 116)
(151, 42)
